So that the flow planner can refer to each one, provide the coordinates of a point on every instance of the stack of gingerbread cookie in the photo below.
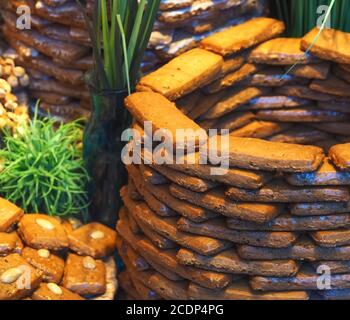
(55, 50)
(180, 25)
(275, 223)
(47, 258)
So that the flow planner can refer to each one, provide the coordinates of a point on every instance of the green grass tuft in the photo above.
(42, 169)
(119, 31)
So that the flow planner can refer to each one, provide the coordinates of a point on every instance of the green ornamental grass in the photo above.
(119, 32)
(42, 168)
(300, 16)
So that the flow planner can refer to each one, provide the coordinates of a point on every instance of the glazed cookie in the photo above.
(10, 214)
(48, 263)
(93, 239)
(43, 232)
(52, 291)
(16, 276)
(10, 243)
(84, 275)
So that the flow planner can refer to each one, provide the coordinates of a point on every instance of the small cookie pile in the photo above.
(55, 52)
(13, 96)
(45, 258)
(278, 219)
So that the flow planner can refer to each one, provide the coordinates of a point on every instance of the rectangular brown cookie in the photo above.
(49, 47)
(138, 262)
(190, 182)
(218, 229)
(235, 120)
(232, 79)
(243, 36)
(331, 238)
(157, 206)
(242, 291)
(231, 176)
(259, 129)
(305, 114)
(135, 257)
(205, 104)
(53, 86)
(232, 63)
(326, 175)
(340, 128)
(303, 92)
(343, 294)
(279, 191)
(164, 287)
(342, 72)
(340, 155)
(189, 101)
(232, 99)
(335, 267)
(256, 154)
(312, 71)
(270, 77)
(318, 208)
(330, 45)
(184, 74)
(157, 239)
(306, 279)
(186, 209)
(288, 222)
(229, 262)
(167, 228)
(128, 287)
(302, 250)
(169, 274)
(152, 176)
(215, 200)
(332, 85)
(276, 102)
(167, 258)
(148, 106)
(280, 51)
(335, 105)
(300, 135)
(132, 191)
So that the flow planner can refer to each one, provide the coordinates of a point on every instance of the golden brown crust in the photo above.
(340, 155)
(163, 114)
(243, 36)
(34, 232)
(331, 45)
(183, 74)
(280, 51)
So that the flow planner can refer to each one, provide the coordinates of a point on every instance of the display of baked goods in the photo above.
(56, 50)
(263, 229)
(47, 258)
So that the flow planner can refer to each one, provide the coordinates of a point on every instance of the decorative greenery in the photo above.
(120, 31)
(300, 16)
(42, 169)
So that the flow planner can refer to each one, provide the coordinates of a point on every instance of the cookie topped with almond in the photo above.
(43, 232)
